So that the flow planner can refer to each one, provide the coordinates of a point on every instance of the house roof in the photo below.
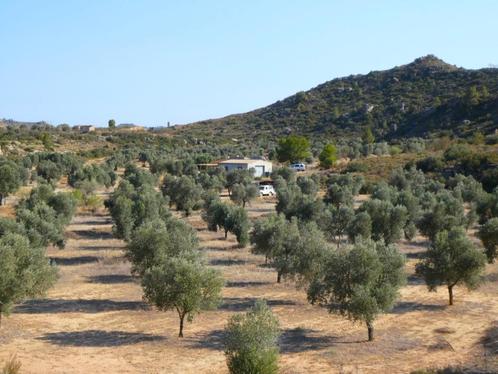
(243, 161)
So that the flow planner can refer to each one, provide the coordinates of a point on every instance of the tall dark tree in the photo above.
(293, 148)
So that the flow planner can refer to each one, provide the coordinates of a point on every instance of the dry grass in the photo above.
(94, 319)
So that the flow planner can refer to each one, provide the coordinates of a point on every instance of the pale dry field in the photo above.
(94, 320)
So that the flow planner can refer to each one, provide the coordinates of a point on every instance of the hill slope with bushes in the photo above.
(427, 96)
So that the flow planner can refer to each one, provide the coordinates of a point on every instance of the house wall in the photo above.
(261, 168)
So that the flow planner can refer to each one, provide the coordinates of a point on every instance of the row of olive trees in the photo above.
(360, 281)
(163, 250)
(12, 176)
(25, 271)
(409, 203)
(228, 217)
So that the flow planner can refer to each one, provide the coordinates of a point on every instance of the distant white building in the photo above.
(84, 128)
(261, 167)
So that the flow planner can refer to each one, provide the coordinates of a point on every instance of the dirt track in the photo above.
(94, 320)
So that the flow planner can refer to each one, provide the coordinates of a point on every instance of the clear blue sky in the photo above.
(149, 62)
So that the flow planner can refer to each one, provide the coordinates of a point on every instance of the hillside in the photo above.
(424, 97)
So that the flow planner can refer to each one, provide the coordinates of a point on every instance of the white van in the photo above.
(298, 167)
(266, 190)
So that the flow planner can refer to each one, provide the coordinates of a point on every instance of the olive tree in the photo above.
(360, 283)
(387, 220)
(185, 285)
(49, 170)
(336, 221)
(243, 193)
(251, 341)
(488, 234)
(42, 225)
(189, 195)
(360, 226)
(238, 176)
(338, 195)
(215, 215)
(275, 237)
(293, 250)
(155, 240)
(25, 272)
(237, 222)
(451, 259)
(447, 213)
(230, 218)
(64, 205)
(308, 185)
(122, 214)
(185, 193)
(10, 179)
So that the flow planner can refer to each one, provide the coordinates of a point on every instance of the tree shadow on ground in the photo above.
(99, 248)
(226, 262)
(302, 340)
(237, 304)
(492, 277)
(98, 338)
(490, 339)
(411, 306)
(110, 278)
(213, 340)
(93, 234)
(242, 284)
(414, 255)
(71, 261)
(102, 222)
(78, 306)
(414, 279)
(291, 341)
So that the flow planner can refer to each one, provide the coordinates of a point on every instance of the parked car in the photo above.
(266, 190)
(298, 167)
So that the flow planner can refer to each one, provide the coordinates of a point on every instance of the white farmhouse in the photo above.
(261, 167)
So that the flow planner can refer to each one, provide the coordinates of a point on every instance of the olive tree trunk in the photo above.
(182, 318)
(370, 331)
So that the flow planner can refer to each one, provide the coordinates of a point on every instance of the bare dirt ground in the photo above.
(94, 320)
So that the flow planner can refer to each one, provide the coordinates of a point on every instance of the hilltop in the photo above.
(423, 97)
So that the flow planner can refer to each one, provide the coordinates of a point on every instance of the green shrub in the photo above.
(251, 341)
(357, 167)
